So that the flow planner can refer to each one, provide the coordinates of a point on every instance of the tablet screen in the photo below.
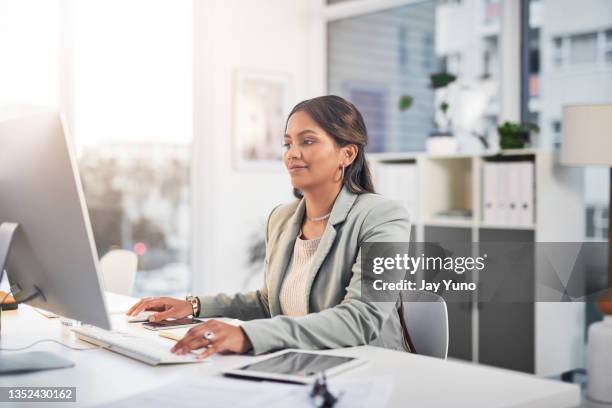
(299, 364)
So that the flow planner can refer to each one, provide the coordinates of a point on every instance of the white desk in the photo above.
(102, 376)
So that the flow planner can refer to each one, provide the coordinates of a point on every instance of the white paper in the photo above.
(210, 392)
(214, 392)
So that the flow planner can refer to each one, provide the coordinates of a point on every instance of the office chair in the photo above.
(427, 320)
(118, 268)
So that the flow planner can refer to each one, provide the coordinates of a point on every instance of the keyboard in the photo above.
(142, 348)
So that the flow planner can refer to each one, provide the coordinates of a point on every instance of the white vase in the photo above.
(441, 145)
(599, 364)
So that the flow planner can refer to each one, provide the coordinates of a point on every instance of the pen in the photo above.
(321, 395)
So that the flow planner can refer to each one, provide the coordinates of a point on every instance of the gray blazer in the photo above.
(338, 315)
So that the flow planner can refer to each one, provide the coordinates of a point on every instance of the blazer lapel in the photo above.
(343, 204)
(285, 250)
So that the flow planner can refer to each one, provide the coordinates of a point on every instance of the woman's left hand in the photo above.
(223, 338)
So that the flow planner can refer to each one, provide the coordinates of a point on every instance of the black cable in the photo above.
(10, 292)
(27, 299)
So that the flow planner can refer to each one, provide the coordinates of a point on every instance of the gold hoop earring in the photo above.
(341, 174)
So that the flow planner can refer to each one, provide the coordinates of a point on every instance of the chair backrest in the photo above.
(427, 320)
(119, 271)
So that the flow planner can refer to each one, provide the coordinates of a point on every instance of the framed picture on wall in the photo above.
(261, 106)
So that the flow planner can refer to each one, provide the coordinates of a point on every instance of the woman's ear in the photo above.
(349, 154)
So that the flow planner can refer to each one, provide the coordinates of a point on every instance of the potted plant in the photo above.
(442, 120)
(514, 135)
(441, 140)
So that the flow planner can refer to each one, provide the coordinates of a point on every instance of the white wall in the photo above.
(269, 35)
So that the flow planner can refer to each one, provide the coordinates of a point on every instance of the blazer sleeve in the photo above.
(357, 320)
(243, 306)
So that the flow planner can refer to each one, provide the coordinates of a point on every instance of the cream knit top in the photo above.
(293, 290)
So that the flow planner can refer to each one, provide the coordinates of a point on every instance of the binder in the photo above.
(514, 180)
(489, 205)
(527, 204)
(502, 194)
(398, 182)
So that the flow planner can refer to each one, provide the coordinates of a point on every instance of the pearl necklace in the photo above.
(321, 218)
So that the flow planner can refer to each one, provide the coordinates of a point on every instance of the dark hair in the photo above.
(343, 122)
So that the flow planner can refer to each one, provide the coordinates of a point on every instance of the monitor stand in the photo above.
(8, 231)
(11, 362)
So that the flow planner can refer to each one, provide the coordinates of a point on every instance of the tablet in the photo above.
(296, 366)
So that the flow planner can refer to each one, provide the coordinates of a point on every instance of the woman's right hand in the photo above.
(166, 307)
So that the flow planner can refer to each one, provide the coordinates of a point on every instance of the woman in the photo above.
(311, 297)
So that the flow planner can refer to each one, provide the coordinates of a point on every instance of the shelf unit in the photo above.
(540, 338)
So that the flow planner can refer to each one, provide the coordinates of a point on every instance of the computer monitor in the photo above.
(46, 242)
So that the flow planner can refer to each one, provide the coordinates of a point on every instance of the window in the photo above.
(534, 63)
(597, 222)
(132, 126)
(376, 58)
(580, 49)
(490, 58)
(404, 56)
(558, 56)
(608, 46)
(396, 45)
(452, 63)
(556, 133)
(583, 48)
(426, 50)
(491, 12)
(371, 102)
(597, 210)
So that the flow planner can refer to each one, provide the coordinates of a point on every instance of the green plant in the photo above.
(438, 80)
(444, 107)
(405, 102)
(441, 80)
(514, 135)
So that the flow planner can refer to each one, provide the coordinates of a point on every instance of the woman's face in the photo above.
(311, 156)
